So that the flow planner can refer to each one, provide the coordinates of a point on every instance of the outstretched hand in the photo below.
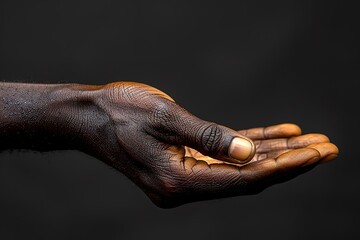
(177, 158)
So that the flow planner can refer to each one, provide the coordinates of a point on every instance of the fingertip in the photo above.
(329, 158)
(325, 148)
(294, 129)
(283, 130)
(328, 151)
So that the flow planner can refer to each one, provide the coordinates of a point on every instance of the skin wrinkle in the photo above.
(193, 161)
(264, 133)
(258, 144)
(160, 146)
(212, 138)
(128, 92)
(287, 143)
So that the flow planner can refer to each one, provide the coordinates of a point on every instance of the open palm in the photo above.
(282, 154)
(177, 158)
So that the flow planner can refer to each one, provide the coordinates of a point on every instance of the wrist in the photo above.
(43, 117)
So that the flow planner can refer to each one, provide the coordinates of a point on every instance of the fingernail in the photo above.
(241, 149)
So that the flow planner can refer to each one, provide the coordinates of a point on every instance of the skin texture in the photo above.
(172, 155)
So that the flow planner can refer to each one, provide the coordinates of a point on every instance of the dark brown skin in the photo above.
(173, 156)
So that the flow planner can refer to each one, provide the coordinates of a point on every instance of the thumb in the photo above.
(177, 126)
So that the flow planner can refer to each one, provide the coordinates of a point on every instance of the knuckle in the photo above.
(163, 119)
(161, 113)
(211, 139)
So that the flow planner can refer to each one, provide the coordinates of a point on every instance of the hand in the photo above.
(152, 140)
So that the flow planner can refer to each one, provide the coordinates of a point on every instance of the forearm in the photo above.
(43, 117)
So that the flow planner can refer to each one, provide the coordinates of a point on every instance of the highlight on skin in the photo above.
(172, 155)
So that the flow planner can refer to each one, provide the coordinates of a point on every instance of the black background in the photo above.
(241, 64)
